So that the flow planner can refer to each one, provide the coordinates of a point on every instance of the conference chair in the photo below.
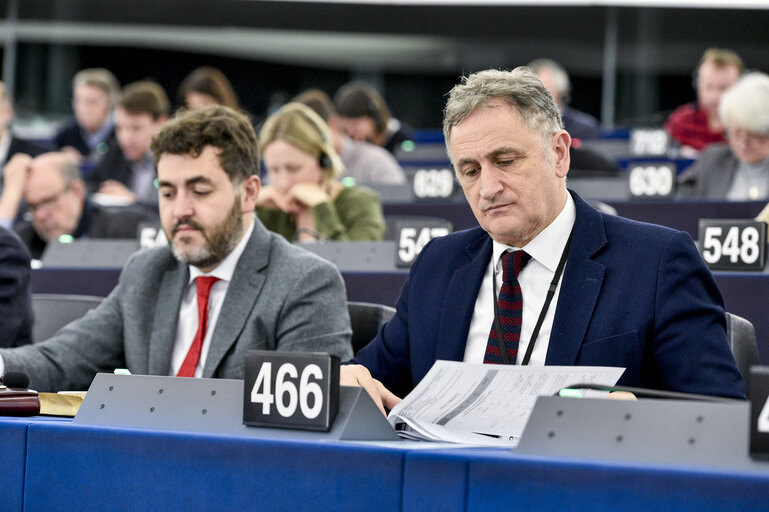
(54, 311)
(366, 319)
(742, 341)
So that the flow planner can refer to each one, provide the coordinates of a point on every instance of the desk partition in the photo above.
(61, 466)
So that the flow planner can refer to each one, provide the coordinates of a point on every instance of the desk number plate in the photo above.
(649, 180)
(759, 412)
(733, 244)
(412, 236)
(291, 390)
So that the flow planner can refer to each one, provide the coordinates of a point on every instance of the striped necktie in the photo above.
(510, 309)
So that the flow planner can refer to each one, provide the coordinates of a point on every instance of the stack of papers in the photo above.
(484, 404)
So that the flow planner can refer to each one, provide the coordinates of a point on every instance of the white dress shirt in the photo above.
(187, 324)
(545, 251)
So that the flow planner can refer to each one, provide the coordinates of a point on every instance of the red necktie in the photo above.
(510, 308)
(204, 284)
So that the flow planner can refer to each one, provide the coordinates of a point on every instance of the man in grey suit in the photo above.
(267, 293)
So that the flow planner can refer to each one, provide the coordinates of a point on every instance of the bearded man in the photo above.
(225, 284)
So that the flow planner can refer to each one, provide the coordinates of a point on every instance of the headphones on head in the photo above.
(324, 160)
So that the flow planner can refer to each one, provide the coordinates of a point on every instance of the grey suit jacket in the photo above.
(281, 297)
(713, 173)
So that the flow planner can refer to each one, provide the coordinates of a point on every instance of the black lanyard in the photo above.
(545, 307)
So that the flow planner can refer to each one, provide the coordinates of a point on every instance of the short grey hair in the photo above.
(747, 103)
(560, 76)
(519, 88)
(101, 78)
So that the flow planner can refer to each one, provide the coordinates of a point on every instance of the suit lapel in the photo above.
(247, 282)
(580, 287)
(166, 318)
(459, 302)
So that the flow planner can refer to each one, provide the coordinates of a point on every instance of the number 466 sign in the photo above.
(733, 244)
(290, 390)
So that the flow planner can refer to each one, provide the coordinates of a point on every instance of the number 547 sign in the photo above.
(733, 244)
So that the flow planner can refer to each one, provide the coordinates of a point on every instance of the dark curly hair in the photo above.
(230, 132)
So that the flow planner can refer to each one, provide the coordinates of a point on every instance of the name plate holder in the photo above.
(214, 406)
(648, 431)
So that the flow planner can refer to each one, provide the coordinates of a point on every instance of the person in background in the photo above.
(9, 143)
(304, 200)
(580, 125)
(695, 125)
(739, 169)
(205, 86)
(127, 172)
(366, 163)
(95, 92)
(251, 289)
(15, 300)
(55, 196)
(479, 295)
(364, 115)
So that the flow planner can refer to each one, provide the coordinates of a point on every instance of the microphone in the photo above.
(14, 379)
(645, 392)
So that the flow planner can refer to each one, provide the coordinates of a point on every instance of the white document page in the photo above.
(486, 403)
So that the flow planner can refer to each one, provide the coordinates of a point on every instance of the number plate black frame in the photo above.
(329, 385)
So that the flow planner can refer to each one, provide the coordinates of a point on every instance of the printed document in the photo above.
(486, 404)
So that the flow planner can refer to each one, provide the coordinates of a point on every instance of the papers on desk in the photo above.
(485, 404)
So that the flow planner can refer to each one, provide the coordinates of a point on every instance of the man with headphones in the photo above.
(364, 115)
(695, 125)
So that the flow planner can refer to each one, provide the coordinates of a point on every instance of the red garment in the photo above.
(688, 125)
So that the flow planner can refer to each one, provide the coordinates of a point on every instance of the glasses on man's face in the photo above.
(47, 204)
(746, 137)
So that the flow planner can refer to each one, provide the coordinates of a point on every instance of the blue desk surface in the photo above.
(54, 466)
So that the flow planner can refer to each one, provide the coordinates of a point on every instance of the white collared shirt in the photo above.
(545, 251)
(187, 324)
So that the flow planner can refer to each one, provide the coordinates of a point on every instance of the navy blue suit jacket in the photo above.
(633, 295)
(15, 300)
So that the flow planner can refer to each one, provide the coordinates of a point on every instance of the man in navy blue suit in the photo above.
(15, 301)
(631, 295)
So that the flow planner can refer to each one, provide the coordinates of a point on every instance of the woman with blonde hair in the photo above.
(304, 201)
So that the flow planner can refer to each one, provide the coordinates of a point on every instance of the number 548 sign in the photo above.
(290, 390)
(733, 244)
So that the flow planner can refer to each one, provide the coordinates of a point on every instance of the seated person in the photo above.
(304, 201)
(94, 92)
(477, 295)
(9, 143)
(739, 170)
(55, 198)
(205, 86)
(366, 163)
(365, 115)
(580, 125)
(695, 125)
(15, 301)
(221, 262)
(127, 173)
